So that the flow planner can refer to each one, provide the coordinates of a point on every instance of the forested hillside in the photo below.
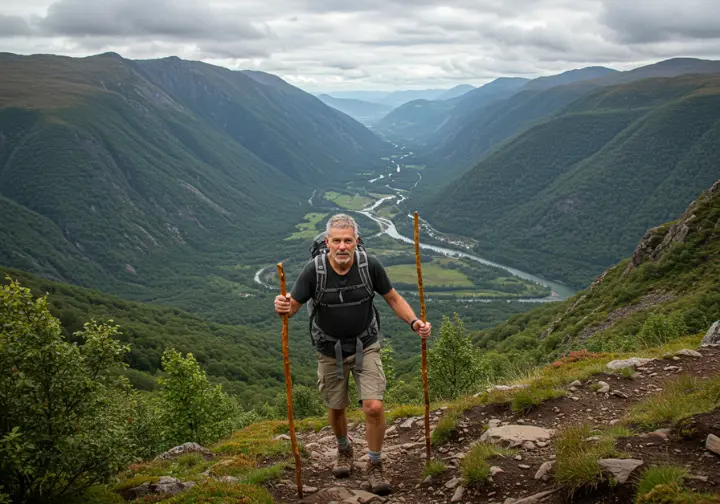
(461, 143)
(572, 195)
(118, 174)
(667, 288)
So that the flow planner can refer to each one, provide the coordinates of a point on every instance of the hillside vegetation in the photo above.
(473, 133)
(573, 194)
(667, 288)
(120, 174)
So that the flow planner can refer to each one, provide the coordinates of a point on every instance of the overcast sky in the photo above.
(372, 44)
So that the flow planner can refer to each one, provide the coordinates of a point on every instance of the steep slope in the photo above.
(460, 144)
(364, 111)
(571, 195)
(112, 181)
(284, 126)
(667, 288)
(223, 349)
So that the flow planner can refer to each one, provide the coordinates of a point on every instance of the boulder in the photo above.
(690, 353)
(184, 449)
(632, 362)
(712, 337)
(620, 468)
(166, 485)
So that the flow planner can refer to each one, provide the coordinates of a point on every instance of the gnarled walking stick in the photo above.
(288, 385)
(423, 342)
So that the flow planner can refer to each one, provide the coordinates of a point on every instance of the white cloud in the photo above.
(373, 44)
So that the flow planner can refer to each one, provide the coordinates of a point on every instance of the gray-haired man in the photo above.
(345, 331)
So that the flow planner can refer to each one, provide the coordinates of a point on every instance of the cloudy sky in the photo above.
(372, 44)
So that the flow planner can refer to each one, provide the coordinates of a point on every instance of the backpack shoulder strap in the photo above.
(364, 268)
(320, 275)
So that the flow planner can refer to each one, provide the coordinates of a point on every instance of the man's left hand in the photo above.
(424, 329)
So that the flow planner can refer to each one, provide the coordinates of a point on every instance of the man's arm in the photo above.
(405, 312)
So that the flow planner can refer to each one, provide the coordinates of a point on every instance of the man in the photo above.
(345, 331)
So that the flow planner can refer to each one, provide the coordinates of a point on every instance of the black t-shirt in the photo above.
(343, 322)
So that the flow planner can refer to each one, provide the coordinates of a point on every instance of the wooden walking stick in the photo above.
(422, 340)
(288, 385)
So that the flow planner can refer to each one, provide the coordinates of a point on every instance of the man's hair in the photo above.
(342, 221)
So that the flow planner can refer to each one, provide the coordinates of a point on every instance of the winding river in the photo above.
(559, 291)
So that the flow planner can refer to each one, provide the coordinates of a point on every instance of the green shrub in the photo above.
(659, 329)
(65, 413)
(194, 409)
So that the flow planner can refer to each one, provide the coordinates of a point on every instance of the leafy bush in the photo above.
(659, 329)
(64, 422)
(306, 403)
(194, 409)
(452, 361)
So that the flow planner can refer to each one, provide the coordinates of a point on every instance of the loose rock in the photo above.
(712, 443)
(621, 468)
(626, 363)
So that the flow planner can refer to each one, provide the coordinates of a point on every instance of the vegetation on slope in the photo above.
(572, 195)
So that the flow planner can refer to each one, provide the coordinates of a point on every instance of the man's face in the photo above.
(342, 243)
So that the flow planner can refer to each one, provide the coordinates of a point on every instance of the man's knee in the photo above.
(373, 407)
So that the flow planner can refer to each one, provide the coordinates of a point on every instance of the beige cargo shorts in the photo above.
(370, 380)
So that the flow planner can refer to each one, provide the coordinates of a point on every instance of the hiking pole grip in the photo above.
(288, 386)
(423, 343)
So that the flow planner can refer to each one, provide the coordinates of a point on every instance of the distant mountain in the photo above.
(418, 122)
(571, 195)
(459, 144)
(281, 124)
(455, 92)
(122, 175)
(397, 98)
(366, 112)
(577, 75)
(414, 121)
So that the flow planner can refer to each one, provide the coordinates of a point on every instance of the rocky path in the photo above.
(601, 401)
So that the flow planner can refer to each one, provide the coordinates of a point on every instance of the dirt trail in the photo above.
(404, 449)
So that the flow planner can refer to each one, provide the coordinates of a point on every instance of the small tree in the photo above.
(452, 361)
(64, 419)
(194, 409)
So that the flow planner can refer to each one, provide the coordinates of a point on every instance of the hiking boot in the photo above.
(376, 477)
(343, 463)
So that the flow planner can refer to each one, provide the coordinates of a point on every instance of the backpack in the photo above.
(318, 253)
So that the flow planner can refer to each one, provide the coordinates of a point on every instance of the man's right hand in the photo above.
(282, 304)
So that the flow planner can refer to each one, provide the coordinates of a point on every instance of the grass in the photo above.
(308, 228)
(255, 441)
(660, 475)
(218, 492)
(576, 466)
(676, 494)
(682, 397)
(475, 469)
(354, 202)
(526, 399)
(404, 411)
(433, 275)
(446, 426)
(434, 467)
